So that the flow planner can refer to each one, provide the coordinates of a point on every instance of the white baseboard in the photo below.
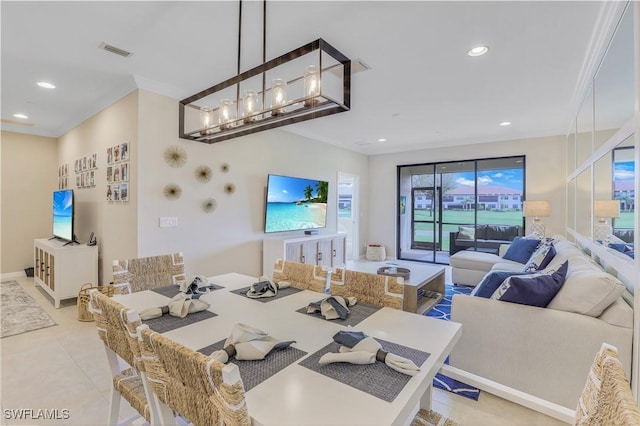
(526, 400)
(12, 275)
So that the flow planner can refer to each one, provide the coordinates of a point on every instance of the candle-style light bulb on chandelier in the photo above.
(309, 82)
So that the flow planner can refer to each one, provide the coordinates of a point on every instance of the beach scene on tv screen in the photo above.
(295, 203)
(62, 214)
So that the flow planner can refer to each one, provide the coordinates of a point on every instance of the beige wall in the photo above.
(113, 223)
(545, 180)
(230, 238)
(29, 176)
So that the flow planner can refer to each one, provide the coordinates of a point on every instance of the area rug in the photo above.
(19, 311)
(443, 311)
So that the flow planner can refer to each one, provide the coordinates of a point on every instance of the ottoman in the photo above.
(468, 267)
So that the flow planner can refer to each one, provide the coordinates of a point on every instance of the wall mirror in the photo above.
(571, 148)
(583, 203)
(614, 82)
(623, 171)
(584, 129)
(571, 204)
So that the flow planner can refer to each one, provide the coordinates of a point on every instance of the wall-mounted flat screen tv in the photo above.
(63, 214)
(295, 203)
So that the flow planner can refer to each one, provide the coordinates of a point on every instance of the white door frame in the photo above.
(353, 236)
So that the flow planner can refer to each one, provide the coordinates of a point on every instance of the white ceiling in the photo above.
(422, 90)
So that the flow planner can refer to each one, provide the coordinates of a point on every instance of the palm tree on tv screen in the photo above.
(308, 192)
(322, 189)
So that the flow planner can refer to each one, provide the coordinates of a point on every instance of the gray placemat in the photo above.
(358, 313)
(281, 293)
(375, 379)
(255, 372)
(167, 322)
(171, 290)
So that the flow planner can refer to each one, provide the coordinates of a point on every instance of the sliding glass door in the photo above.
(439, 199)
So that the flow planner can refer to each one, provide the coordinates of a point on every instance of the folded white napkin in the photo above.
(196, 284)
(248, 343)
(366, 351)
(333, 307)
(180, 306)
(266, 288)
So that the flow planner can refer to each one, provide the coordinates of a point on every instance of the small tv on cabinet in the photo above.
(295, 203)
(63, 215)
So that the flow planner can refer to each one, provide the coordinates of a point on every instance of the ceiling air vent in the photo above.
(116, 50)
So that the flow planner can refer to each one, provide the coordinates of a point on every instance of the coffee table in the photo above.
(426, 277)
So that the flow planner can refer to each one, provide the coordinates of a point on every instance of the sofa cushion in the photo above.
(625, 235)
(521, 249)
(533, 290)
(476, 260)
(618, 313)
(491, 282)
(588, 292)
(481, 232)
(507, 266)
(540, 258)
(502, 232)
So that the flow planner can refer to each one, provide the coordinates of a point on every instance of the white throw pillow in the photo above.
(466, 232)
(587, 292)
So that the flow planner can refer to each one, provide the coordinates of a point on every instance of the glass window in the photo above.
(446, 196)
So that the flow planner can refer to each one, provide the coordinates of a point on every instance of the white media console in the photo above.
(62, 269)
(323, 249)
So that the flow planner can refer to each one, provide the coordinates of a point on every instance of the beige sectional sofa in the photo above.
(545, 352)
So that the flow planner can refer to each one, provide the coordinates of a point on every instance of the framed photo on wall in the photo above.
(124, 192)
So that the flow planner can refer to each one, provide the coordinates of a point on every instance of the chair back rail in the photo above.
(607, 398)
(378, 290)
(199, 388)
(115, 323)
(133, 275)
(301, 275)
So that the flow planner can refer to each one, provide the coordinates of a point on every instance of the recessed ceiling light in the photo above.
(24, 117)
(46, 85)
(505, 123)
(478, 51)
(382, 140)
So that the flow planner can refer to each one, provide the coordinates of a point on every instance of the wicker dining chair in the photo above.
(432, 418)
(607, 398)
(144, 273)
(198, 388)
(116, 328)
(301, 275)
(378, 290)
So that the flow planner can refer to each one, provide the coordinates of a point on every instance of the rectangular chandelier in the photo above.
(309, 82)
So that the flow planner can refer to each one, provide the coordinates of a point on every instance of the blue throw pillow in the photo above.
(534, 290)
(491, 282)
(626, 248)
(521, 249)
(540, 258)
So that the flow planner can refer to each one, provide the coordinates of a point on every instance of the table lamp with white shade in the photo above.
(536, 209)
(603, 210)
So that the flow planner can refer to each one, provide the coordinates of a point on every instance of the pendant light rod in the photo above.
(264, 50)
(239, 49)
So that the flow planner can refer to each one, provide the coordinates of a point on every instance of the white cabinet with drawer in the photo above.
(327, 250)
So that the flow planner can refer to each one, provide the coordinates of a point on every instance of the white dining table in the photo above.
(297, 395)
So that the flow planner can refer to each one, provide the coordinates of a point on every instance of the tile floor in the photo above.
(64, 367)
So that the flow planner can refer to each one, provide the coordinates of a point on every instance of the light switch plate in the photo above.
(168, 222)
